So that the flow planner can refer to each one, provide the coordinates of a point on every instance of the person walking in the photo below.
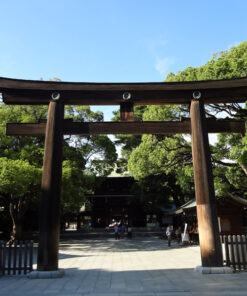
(169, 231)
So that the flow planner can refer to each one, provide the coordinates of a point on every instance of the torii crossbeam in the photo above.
(58, 94)
(134, 128)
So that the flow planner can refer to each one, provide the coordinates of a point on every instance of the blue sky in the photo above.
(113, 40)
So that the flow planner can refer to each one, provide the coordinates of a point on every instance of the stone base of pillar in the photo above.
(214, 270)
(46, 274)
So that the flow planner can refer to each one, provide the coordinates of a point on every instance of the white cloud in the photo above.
(163, 65)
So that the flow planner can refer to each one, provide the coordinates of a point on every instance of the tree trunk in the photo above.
(17, 233)
(17, 209)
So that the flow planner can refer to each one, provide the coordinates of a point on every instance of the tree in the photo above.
(25, 148)
(156, 190)
(157, 155)
(229, 153)
(98, 151)
(83, 157)
(75, 184)
(17, 181)
(21, 160)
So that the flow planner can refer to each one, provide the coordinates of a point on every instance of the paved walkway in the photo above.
(141, 266)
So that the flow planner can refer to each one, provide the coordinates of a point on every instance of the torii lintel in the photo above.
(33, 92)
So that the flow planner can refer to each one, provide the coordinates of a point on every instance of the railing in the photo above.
(16, 258)
(235, 251)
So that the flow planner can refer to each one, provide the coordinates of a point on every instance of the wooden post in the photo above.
(211, 253)
(51, 188)
(127, 111)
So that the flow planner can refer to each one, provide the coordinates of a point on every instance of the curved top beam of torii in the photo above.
(33, 92)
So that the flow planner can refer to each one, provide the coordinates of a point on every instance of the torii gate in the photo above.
(58, 94)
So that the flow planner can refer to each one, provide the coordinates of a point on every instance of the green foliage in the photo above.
(161, 113)
(172, 154)
(97, 152)
(18, 183)
(164, 156)
(223, 65)
(127, 142)
(16, 176)
(82, 114)
(75, 184)
(154, 192)
(22, 160)
(243, 157)
(25, 148)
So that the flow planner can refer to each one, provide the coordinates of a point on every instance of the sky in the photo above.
(114, 40)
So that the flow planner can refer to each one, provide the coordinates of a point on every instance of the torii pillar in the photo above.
(211, 253)
(51, 189)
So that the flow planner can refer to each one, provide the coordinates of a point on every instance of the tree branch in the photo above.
(243, 168)
(228, 164)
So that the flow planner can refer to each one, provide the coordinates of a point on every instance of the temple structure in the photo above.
(112, 200)
(58, 94)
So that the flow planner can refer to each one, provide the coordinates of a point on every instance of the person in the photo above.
(116, 231)
(194, 234)
(169, 231)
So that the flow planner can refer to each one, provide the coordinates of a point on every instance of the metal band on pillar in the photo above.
(211, 253)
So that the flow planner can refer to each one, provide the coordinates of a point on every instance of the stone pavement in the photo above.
(142, 266)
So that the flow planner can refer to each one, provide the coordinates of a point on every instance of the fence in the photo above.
(16, 258)
(235, 251)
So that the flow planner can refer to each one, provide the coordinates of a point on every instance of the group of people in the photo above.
(120, 229)
(188, 235)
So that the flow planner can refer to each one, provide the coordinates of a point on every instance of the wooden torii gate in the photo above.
(58, 94)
